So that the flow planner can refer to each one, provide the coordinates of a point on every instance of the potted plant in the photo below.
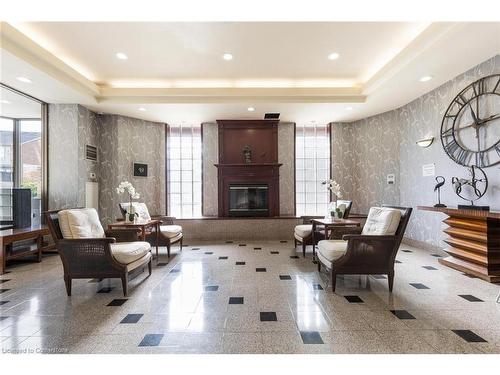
(127, 187)
(334, 188)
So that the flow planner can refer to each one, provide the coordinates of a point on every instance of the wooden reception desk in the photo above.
(474, 241)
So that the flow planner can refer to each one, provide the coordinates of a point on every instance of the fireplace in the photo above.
(248, 200)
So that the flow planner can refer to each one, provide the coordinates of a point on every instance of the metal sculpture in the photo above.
(476, 186)
(440, 182)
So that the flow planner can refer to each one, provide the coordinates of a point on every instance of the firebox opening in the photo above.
(248, 200)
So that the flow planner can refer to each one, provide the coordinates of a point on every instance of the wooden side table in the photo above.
(8, 238)
(330, 225)
(143, 226)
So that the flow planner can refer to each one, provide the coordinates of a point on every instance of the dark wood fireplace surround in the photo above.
(262, 138)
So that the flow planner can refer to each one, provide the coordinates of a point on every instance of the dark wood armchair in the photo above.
(303, 233)
(92, 258)
(169, 235)
(360, 254)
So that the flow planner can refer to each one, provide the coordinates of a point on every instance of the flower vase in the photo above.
(131, 213)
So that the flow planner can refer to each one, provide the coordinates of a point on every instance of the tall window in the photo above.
(312, 167)
(21, 152)
(184, 170)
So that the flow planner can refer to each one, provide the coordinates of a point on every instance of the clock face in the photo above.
(470, 131)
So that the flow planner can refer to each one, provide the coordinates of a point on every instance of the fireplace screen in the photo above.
(248, 200)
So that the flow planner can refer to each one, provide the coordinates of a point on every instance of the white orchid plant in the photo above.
(127, 187)
(334, 188)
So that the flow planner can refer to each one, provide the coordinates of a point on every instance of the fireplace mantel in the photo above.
(262, 138)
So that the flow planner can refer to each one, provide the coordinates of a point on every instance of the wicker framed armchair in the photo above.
(365, 252)
(303, 233)
(113, 256)
(170, 233)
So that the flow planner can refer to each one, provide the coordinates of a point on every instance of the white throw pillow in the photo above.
(140, 208)
(80, 223)
(382, 221)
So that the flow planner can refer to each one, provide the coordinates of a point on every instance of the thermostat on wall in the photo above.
(391, 178)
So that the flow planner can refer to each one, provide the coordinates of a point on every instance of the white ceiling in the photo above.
(277, 67)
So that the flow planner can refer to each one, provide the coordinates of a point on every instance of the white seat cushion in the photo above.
(303, 230)
(80, 223)
(128, 252)
(140, 209)
(171, 231)
(382, 221)
(332, 250)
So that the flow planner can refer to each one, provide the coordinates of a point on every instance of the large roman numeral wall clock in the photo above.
(470, 130)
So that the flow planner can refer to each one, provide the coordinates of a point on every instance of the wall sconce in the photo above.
(425, 142)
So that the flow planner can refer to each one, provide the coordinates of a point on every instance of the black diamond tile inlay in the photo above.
(275, 252)
(242, 244)
(175, 270)
(3, 302)
(185, 245)
(105, 290)
(260, 270)
(151, 339)
(436, 255)
(236, 300)
(402, 314)
(353, 299)
(317, 287)
(379, 277)
(4, 290)
(211, 288)
(161, 264)
(240, 263)
(468, 335)
(268, 316)
(257, 248)
(294, 256)
(283, 241)
(397, 261)
(229, 241)
(407, 251)
(195, 248)
(311, 337)
(285, 277)
(470, 298)
(222, 258)
(430, 268)
(118, 302)
(4, 281)
(132, 318)
(419, 286)
(209, 252)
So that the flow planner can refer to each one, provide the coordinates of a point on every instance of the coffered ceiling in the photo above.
(176, 71)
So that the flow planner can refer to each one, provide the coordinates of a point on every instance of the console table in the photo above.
(8, 238)
(474, 241)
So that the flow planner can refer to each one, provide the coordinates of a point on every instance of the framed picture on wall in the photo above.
(140, 170)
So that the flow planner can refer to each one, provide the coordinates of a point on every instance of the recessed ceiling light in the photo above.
(121, 56)
(24, 79)
(333, 56)
(425, 78)
(3, 101)
(227, 56)
(348, 108)
(142, 109)
(251, 109)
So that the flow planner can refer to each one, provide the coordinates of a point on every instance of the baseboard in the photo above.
(421, 244)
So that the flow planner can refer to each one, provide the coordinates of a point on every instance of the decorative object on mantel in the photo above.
(440, 182)
(247, 154)
(468, 132)
(127, 187)
(424, 143)
(140, 170)
(334, 212)
(471, 190)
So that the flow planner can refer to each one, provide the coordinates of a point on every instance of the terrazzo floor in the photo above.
(249, 297)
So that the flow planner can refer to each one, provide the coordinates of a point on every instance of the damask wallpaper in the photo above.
(367, 150)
